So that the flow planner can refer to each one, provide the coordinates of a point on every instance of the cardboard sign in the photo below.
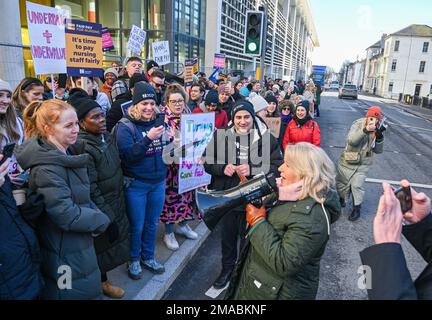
(196, 133)
(195, 66)
(125, 107)
(84, 49)
(136, 40)
(219, 61)
(46, 28)
(188, 72)
(161, 52)
(274, 125)
(107, 42)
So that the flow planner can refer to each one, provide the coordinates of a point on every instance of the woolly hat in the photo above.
(258, 102)
(242, 105)
(111, 70)
(82, 103)
(272, 98)
(5, 86)
(374, 112)
(212, 97)
(305, 104)
(143, 91)
(136, 77)
(151, 64)
(244, 91)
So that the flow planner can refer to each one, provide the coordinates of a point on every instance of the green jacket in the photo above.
(70, 221)
(106, 187)
(366, 144)
(283, 259)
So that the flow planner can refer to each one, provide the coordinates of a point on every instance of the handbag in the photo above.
(352, 157)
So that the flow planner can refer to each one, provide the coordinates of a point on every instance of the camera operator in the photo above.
(391, 279)
(365, 139)
(236, 149)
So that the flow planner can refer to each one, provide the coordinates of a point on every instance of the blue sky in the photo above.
(347, 27)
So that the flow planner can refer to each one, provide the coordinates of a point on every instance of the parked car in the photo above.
(348, 90)
(334, 85)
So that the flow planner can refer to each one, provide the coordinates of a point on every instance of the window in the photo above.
(422, 66)
(397, 43)
(425, 47)
(390, 88)
(394, 63)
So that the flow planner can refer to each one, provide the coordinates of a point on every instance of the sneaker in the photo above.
(153, 266)
(112, 291)
(187, 232)
(170, 241)
(134, 270)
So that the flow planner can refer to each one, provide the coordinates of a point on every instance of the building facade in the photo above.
(291, 36)
(181, 22)
(356, 72)
(401, 63)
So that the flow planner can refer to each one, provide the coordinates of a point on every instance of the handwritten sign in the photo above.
(196, 133)
(161, 52)
(219, 61)
(274, 125)
(136, 40)
(84, 49)
(46, 28)
(107, 42)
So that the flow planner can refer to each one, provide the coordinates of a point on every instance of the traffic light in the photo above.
(254, 32)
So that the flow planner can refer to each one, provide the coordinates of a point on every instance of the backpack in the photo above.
(128, 124)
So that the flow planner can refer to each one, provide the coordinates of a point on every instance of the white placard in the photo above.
(161, 52)
(46, 27)
(136, 40)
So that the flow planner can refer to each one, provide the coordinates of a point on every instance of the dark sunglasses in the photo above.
(49, 79)
(159, 85)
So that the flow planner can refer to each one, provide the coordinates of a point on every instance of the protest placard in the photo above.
(195, 66)
(274, 125)
(196, 133)
(107, 42)
(84, 49)
(46, 27)
(161, 52)
(136, 41)
(188, 72)
(125, 107)
(219, 61)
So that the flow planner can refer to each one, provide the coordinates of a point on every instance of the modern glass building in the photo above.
(181, 22)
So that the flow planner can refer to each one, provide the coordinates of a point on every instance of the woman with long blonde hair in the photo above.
(70, 219)
(282, 260)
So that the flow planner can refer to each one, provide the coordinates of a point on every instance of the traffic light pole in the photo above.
(263, 45)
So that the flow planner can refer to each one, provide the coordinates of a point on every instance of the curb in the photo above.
(159, 284)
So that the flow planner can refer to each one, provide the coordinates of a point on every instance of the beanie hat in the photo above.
(305, 104)
(223, 87)
(5, 86)
(151, 64)
(119, 87)
(83, 105)
(374, 112)
(136, 77)
(212, 97)
(276, 86)
(143, 91)
(111, 70)
(258, 102)
(242, 105)
(272, 98)
(244, 92)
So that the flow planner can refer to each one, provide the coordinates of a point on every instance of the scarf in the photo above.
(286, 118)
(302, 122)
(291, 192)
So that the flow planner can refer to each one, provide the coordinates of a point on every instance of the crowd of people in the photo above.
(89, 159)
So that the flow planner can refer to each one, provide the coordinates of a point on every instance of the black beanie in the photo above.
(151, 64)
(305, 104)
(271, 98)
(143, 91)
(212, 97)
(84, 106)
(136, 77)
(243, 105)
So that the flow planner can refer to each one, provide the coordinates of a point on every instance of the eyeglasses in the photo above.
(285, 108)
(49, 79)
(176, 101)
(159, 85)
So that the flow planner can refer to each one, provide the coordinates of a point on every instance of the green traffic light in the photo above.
(252, 46)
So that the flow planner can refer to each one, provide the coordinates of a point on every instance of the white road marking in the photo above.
(407, 126)
(415, 185)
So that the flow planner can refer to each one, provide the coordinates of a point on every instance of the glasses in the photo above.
(49, 79)
(159, 85)
(176, 102)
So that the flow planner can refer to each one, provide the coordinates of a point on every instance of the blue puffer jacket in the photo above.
(141, 157)
(20, 257)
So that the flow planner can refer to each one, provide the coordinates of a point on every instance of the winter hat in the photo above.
(276, 86)
(271, 98)
(119, 87)
(223, 87)
(305, 104)
(151, 64)
(244, 92)
(374, 112)
(136, 77)
(111, 70)
(212, 97)
(83, 105)
(143, 91)
(243, 105)
(5, 86)
(258, 102)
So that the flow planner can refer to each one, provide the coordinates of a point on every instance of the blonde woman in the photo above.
(309, 95)
(282, 260)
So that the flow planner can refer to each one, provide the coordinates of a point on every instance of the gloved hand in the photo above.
(113, 232)
(379, 133)
(254, 214)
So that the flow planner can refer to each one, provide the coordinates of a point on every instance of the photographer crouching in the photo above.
(365, 139)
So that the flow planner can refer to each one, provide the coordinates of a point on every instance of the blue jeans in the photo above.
(144, 204)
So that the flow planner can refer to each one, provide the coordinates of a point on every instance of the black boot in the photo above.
(342, 202)
(223, 278)
(355, 214)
